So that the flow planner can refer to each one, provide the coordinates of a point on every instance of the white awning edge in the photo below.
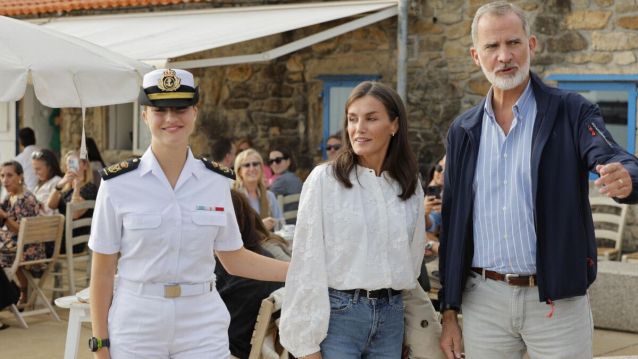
(288, 48)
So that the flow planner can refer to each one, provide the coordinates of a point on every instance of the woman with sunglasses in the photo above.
(333, 145)
(250, 181)
(47, 169)
(359, 238)
(161, 222)
(287, 182)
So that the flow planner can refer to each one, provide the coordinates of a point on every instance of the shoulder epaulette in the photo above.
(119, 168)
(219, 168)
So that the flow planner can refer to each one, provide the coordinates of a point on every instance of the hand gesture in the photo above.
(614, 180)
(431, 203)
(269, 223)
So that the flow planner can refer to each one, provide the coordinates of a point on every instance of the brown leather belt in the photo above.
(511, 279)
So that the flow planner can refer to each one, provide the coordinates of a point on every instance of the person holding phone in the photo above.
(76, 186)
(432, 201)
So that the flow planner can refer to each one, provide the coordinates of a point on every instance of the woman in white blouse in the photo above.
(359, 238)
(47, 169)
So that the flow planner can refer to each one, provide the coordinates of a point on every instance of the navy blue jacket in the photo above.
(569, 139)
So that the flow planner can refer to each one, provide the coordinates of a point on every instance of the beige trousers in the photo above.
(503, 322)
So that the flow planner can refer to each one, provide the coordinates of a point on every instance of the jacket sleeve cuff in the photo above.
(444, 306)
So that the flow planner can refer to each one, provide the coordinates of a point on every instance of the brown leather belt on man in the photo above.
(511, 279)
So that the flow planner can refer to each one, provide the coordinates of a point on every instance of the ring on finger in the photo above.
(621, 181)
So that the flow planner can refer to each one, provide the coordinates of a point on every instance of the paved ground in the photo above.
(45, 339)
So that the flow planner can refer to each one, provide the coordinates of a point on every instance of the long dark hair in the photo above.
(50, 160)
(285, 151)
(400, 161)
(93, 151)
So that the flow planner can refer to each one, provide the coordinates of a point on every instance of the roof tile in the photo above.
(37, 7)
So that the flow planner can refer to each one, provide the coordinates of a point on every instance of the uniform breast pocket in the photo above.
(207, 224)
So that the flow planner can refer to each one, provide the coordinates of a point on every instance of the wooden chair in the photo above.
(36, 230)
(265, 340)
(284, 201)
(609, 222)
(68, 268)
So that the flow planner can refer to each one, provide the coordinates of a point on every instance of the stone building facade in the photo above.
(280, 101)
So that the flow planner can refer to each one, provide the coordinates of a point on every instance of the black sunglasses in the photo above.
(438, 168)
(251, 164)
(277, 160)
(333, 147)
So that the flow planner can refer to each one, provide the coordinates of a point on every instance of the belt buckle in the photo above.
(172, 291)
(509, 276)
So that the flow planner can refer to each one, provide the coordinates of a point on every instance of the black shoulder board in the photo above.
(219, 168)
(119, 168)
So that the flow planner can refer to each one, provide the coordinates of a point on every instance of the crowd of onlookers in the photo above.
(37, 183)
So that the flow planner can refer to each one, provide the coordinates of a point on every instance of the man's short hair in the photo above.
(221, 148)
(26, 136)
(498, 8)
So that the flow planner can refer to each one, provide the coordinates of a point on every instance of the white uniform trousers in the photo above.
(143, 326)
(502, 321)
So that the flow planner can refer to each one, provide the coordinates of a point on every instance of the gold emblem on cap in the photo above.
(169, 81)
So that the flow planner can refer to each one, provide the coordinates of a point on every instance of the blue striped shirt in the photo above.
(504, 234)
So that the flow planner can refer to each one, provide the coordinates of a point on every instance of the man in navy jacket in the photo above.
(517, 242)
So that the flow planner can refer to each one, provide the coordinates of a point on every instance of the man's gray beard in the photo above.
(508, 83)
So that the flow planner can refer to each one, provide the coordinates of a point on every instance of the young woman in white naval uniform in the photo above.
(165, 215)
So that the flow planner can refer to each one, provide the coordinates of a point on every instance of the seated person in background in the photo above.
(95, 160)
(250, 181)
(283, 166)
(47, 169)
(243, 296)
(76, 186)
(19, 203)
(432, 203)
(224, 152)
(333, 145)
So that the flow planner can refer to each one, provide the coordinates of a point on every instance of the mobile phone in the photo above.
(433, 191)
(74, 164)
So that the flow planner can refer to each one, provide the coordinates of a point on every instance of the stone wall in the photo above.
(280, 100)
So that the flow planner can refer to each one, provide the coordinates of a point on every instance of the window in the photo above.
(336, 90)
(616, 97)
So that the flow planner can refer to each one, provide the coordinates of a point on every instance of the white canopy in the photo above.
(161, 36)
(65, 71)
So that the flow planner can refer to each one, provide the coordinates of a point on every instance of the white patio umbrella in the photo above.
(65, 71)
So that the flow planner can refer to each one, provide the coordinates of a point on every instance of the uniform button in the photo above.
(504, 237)
(504, 208)
(505, 155)
(424, 323)
(504, 182)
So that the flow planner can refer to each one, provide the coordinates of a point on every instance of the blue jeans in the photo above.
(363, 328)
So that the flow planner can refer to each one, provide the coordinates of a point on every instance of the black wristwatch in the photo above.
(96, 344)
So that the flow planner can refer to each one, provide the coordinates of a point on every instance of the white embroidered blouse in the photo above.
(347, 238)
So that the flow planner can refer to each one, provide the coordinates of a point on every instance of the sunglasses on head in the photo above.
(277, 160)
(333, 147)
(438, 168)
(250, 164)
(37, 155)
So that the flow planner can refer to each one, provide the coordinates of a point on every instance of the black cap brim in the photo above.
(185, 96)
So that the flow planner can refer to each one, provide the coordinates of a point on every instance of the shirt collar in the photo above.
(149, 164)
(521, 105)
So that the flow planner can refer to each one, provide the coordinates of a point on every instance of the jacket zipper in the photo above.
(594, 131)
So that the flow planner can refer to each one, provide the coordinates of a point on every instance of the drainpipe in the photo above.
(402, 44)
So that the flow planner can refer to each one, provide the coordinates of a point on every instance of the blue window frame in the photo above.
(615, 95)
(336, 89)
